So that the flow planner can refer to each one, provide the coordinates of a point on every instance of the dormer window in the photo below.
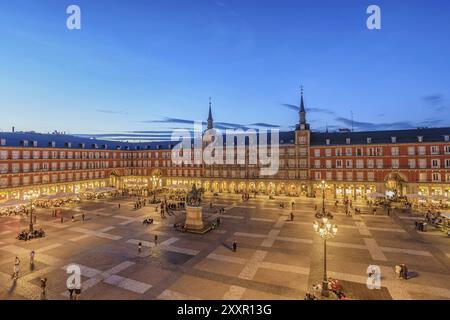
(281, 141)
(52, 144)
(117, 147)
(327, 142)
(3, 142)
(394, 139)
(446, 138)
(24, 143)
(420, 138)
(68, 144)
(104, 146)
(35, 143)
(348, 141)
(82, 145)
(369, 140)
(94, 146)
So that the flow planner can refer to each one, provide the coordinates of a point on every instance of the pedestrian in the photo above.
(119, 205)
(234, 245)
(71, 289)
(374, 211)
(139, 247)
(389, 212)
(43, 287)
(398, 270)
(16, 268)
(32, 254)
(156, 239)
(82, 216)
(73, 218)
(62, 219)
(405, 272)
(292, 216)
(78, 292)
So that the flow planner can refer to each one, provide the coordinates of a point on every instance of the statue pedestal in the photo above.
(194, 218)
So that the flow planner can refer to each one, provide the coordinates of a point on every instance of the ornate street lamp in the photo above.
(326, 231)
(323, 186)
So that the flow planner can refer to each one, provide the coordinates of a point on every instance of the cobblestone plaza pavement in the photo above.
(276, 258)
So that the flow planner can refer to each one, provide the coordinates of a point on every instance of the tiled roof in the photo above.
(15, 139)
(287, 137)
(380, 137)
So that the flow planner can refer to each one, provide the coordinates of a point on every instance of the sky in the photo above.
(138, 69)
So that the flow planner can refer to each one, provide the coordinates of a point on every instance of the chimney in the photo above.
(12, 129)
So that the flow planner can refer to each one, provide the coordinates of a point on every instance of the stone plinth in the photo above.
(194, 218)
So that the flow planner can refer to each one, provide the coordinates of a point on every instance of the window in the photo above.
(318, 175)
(328, 164)
(329, 175)
(328, 152)
(316, 163)
(349, 163)
(327, 141)
(435, 163)
(338, 163)
(434, 149)
(359, 152)
(360, 164)
(447, 149)
(411, 151)
(422, 163)
(316, 152)
(348, 151)
(447, 163)
(420, 139)
(2, 142)
(369, 140)
(422, 150)
(379, 163)
(370, 176)
(347, 140)
(447, 177)
(394, 139)
(349, 175)
(370, 164)
(395, 163)
(412, 163)
(446, 138)
(423, 177)
(395, 151)
(436, 177)
(338, 152)
(339, 175)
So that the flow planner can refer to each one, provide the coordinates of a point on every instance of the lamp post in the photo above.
(326, 231)
(323, 186)
(31, 214)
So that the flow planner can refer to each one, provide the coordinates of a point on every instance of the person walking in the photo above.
(16, 268)
(234, 245)
(156, 239)
(292, 216)
(32, 254)
(82, 216)
(119, 205)
(43, 287)
(62, 219)
(139, 247)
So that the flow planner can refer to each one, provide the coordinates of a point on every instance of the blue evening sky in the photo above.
(145, 65)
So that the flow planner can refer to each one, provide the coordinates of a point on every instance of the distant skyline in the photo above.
(139, 69)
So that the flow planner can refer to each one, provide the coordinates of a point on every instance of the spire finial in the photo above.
(210, 118)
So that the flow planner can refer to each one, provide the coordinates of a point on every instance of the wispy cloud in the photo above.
(312, 110)
(112, 111)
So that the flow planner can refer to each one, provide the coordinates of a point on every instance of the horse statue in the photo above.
(194, 197)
